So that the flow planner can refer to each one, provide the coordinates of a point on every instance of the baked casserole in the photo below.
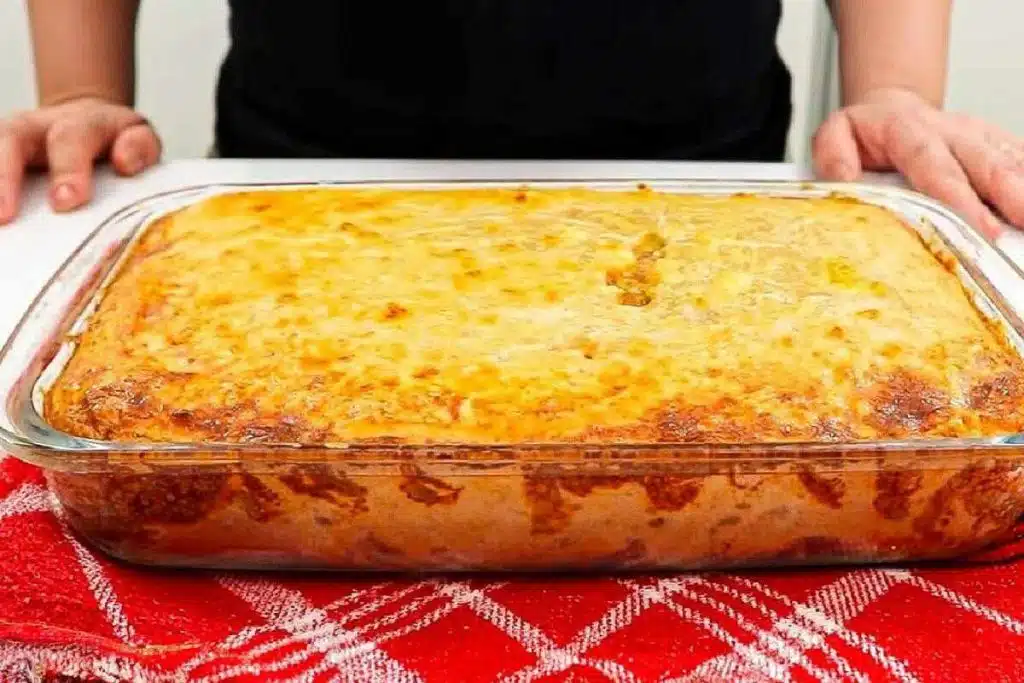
(496, 317)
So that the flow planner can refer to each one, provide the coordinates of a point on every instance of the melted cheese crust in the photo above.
(492, 315)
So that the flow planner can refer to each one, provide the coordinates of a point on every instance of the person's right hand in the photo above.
(68, 139)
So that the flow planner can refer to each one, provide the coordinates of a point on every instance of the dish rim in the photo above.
(36, 441)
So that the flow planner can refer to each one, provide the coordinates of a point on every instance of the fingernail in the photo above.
(63, 195)
(993, 227)
(844, 172)
(133, 163)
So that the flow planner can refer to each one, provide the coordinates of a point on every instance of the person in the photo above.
(612, 79)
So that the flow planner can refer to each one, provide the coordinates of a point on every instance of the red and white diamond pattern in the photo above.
(69, 614)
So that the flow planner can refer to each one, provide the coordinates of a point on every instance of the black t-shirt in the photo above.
(613, 79)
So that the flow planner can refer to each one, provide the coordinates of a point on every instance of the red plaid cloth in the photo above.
(69, 614)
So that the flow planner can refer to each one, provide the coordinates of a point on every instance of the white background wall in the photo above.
(181, 43)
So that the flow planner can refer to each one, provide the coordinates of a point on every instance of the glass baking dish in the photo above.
(518, 507)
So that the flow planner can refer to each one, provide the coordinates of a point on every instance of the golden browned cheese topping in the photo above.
(489, 316)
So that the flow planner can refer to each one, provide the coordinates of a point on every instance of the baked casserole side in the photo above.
(505, 316)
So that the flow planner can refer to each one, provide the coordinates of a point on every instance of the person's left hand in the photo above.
(968, 164)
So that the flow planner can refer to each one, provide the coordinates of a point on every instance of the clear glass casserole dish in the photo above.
(542, 506)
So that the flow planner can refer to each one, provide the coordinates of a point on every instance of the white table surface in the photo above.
(35, 245)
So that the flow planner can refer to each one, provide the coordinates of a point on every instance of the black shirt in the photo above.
(612, 79)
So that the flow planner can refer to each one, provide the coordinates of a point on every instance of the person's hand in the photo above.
(68, 139)
(968, 164)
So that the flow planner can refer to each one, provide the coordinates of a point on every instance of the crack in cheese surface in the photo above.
(494, 315)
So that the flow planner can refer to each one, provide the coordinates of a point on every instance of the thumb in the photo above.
(835, 151)
(136, 148)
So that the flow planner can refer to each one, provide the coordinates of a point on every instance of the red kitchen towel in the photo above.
(69, 614)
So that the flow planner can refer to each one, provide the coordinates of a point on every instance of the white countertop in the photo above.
(35, 245)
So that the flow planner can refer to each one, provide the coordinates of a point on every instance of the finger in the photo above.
(19, 140)
(72, 146)
(995, 166)
(835, 151)
(12, 171)
(135, 149)
(919, 152)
